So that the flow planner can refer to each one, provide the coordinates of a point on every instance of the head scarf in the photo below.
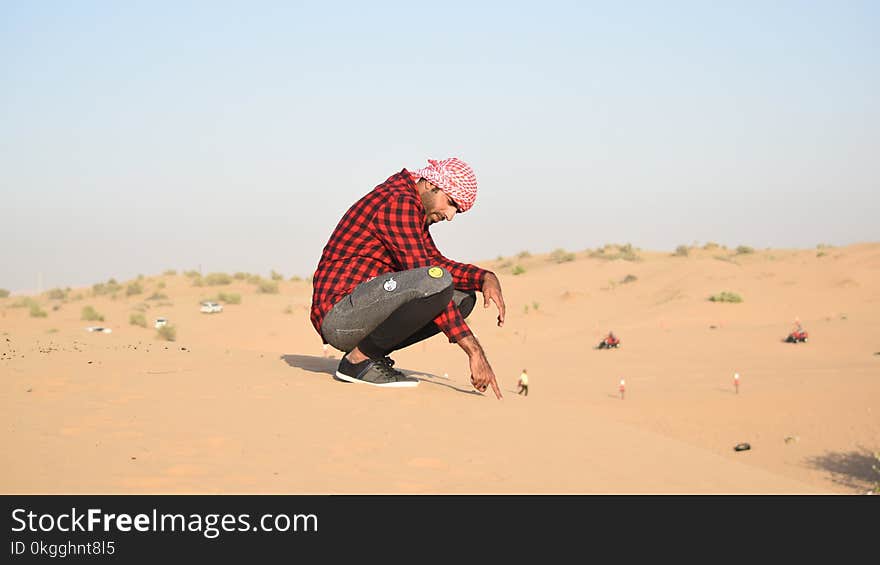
(454, 177)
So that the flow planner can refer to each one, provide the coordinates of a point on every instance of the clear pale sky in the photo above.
(231, 136)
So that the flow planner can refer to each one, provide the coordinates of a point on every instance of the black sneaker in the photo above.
(376, 372)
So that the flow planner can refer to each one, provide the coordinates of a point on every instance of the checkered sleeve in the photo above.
(400, 225)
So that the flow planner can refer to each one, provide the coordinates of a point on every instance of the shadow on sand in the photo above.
(328, 366)
(858, 470)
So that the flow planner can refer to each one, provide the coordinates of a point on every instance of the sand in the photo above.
(244, 401)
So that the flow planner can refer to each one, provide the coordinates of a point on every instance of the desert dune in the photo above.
(244, 401)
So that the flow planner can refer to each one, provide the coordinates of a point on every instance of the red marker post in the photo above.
(736, 382)
(622, 388)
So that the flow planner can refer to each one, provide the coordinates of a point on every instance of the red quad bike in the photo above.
(609, 343)
(797, 336)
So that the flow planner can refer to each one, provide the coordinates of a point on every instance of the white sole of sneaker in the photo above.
(406, 384)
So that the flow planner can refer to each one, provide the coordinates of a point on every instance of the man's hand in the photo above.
(492, 292)
(482, 375)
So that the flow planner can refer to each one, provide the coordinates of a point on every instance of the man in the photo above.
(382, 285)
(523, 383)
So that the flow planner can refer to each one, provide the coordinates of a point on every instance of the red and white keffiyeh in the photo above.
(454, 177)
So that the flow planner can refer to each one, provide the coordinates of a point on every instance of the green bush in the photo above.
(523, 255)
(535, 306)
(726, 297)
(239, 276)
(228, 298)
(24, 302)
(109, 287)
(3, 293)
(681, 251)
(744, 250)
(91, 315)
(267, 287)
(710, 245)
(254, 279)
(37, 312)
(57, 294)
(518, 270)
(192, 274)
(168, 333)
(217, 279)
(561, 256)
(137, 320)
(134, 288)
(276, 276)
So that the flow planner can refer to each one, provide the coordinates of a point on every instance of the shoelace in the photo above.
(384, 366)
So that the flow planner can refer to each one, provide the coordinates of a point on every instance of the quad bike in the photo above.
(609, 343)
(797, 336)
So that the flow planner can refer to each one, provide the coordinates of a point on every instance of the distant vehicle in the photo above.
(611, 341)
(160, 322)
(99, 329)
(797, 336)
(211, 307)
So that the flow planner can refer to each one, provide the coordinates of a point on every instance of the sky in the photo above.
(137, 137)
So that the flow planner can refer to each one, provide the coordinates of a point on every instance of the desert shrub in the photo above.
(681, 251)
(89, 313)
(157, 296)
(110, 287)
(161, 284)
(295, 278)
(78, 296)
(309, 279)
(56, 307)
(288, 310)
(134, 288)
(142, 307)
(821, 254)
(627, 253)
(523, 255)
(598, 253)
(52, 331)
(500, 258)
(710, 245)
(535, 306)
(23, 302)
(164, 304)
(192, 274)
(228, 298)
(217, 279)
(276, 276)
(561, 256)
(518, 270)
(198, 281)
(170, 272)
(168, 333)
(629, 278)
(254, 279)
(526, 309)
(3, 293)
(57, 294)
(744, 250)
(37, 312)
(240, 276)
(505, 264)
(267, 287)
(726, 297)
(137, 319)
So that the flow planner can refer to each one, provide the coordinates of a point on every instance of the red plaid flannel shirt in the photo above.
(384, 232)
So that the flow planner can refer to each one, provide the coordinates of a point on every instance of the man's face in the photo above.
(438, 206)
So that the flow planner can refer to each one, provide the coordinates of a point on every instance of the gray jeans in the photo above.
(393, 311)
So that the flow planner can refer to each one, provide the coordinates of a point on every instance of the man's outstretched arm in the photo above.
(482, 375)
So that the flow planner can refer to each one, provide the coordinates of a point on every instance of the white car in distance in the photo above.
(160, 322)
(211, 307)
